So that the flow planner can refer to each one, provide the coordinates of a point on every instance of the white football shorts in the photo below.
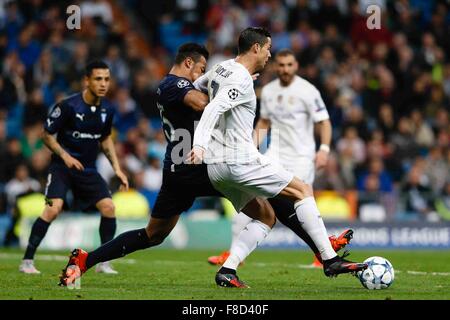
(241, 183)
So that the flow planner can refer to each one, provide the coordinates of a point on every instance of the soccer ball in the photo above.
(378, 275)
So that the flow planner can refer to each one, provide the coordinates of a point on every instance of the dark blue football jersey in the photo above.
(80, 127)
(178, 119)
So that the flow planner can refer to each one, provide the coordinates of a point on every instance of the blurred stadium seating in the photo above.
(387, 90)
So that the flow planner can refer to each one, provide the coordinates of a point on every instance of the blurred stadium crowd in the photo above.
(387, 90)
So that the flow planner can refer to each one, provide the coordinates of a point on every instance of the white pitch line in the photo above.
(302, 266)
(47, 257)
(53, 257)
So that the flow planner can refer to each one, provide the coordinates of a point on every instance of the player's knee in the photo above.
(156, 239)
(306, 190)
(51, 213)
(108, 209)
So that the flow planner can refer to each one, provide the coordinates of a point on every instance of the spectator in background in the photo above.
(144, 93)
(35, 109)
(352, 152)
(442, 203)
(370, 206)
(405, 148)
(117, 65)
(28, 48)
(100, 9)
(39, 163)
(386, 120)
(75, 69)
(157, 146)
(418, 195)
(3, 148)
(153, 174)
(355, 118)
(437, 169)
(375, 169)
(21, 183)
(128, 112)
(15, 70)
(441, 120)
(13, 158)
(423, 134)
(330, 178)
(137, 160)
(8, 94)
(31, 140)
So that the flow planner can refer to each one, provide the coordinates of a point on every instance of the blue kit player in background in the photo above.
(74, 131)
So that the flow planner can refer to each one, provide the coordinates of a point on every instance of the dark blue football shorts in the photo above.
(87, 186)
(180, 187)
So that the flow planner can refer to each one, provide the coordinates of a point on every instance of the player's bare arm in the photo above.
(195, 99)
(325, 132)
(108, 149)
(55, 147)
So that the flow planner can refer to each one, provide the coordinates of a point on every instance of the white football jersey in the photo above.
(292, 111)
(229, 116)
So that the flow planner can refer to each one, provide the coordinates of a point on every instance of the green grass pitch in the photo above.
(165, 274)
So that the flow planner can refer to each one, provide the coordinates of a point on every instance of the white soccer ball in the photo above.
(378, 275)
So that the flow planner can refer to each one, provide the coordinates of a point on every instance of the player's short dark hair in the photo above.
(96, 64)
(250, 36)
(191, 50)
(284, 53)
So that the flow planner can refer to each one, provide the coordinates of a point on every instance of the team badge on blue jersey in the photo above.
(182, 83)
(56, 112)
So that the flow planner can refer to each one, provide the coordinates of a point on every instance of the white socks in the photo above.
(309, 216)
(240, 220)
(248, 240)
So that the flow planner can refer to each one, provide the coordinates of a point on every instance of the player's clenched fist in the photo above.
(196, 155)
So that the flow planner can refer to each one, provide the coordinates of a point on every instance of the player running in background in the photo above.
(82, 123)
(180, 105)
(291, 107)
(223, 138)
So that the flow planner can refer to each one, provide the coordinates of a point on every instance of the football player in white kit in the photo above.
(223, 140)
(292, 107)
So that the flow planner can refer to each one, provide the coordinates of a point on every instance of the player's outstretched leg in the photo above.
(154, 234)
(309, 216)
(238, 223)
(249, 238)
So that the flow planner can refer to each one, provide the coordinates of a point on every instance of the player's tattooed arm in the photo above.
(51, 143)
(110, 152)
(196, 100)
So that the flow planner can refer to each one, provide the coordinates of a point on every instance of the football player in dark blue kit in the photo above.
(74, 131)
(180, 106)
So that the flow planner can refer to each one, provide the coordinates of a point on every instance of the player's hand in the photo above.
(71, 162)
(321, 159)
(195, 156)
(123, 181)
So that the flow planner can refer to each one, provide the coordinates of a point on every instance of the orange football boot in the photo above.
(337, 244)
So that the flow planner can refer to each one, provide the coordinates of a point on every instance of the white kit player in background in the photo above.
(223, 139)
